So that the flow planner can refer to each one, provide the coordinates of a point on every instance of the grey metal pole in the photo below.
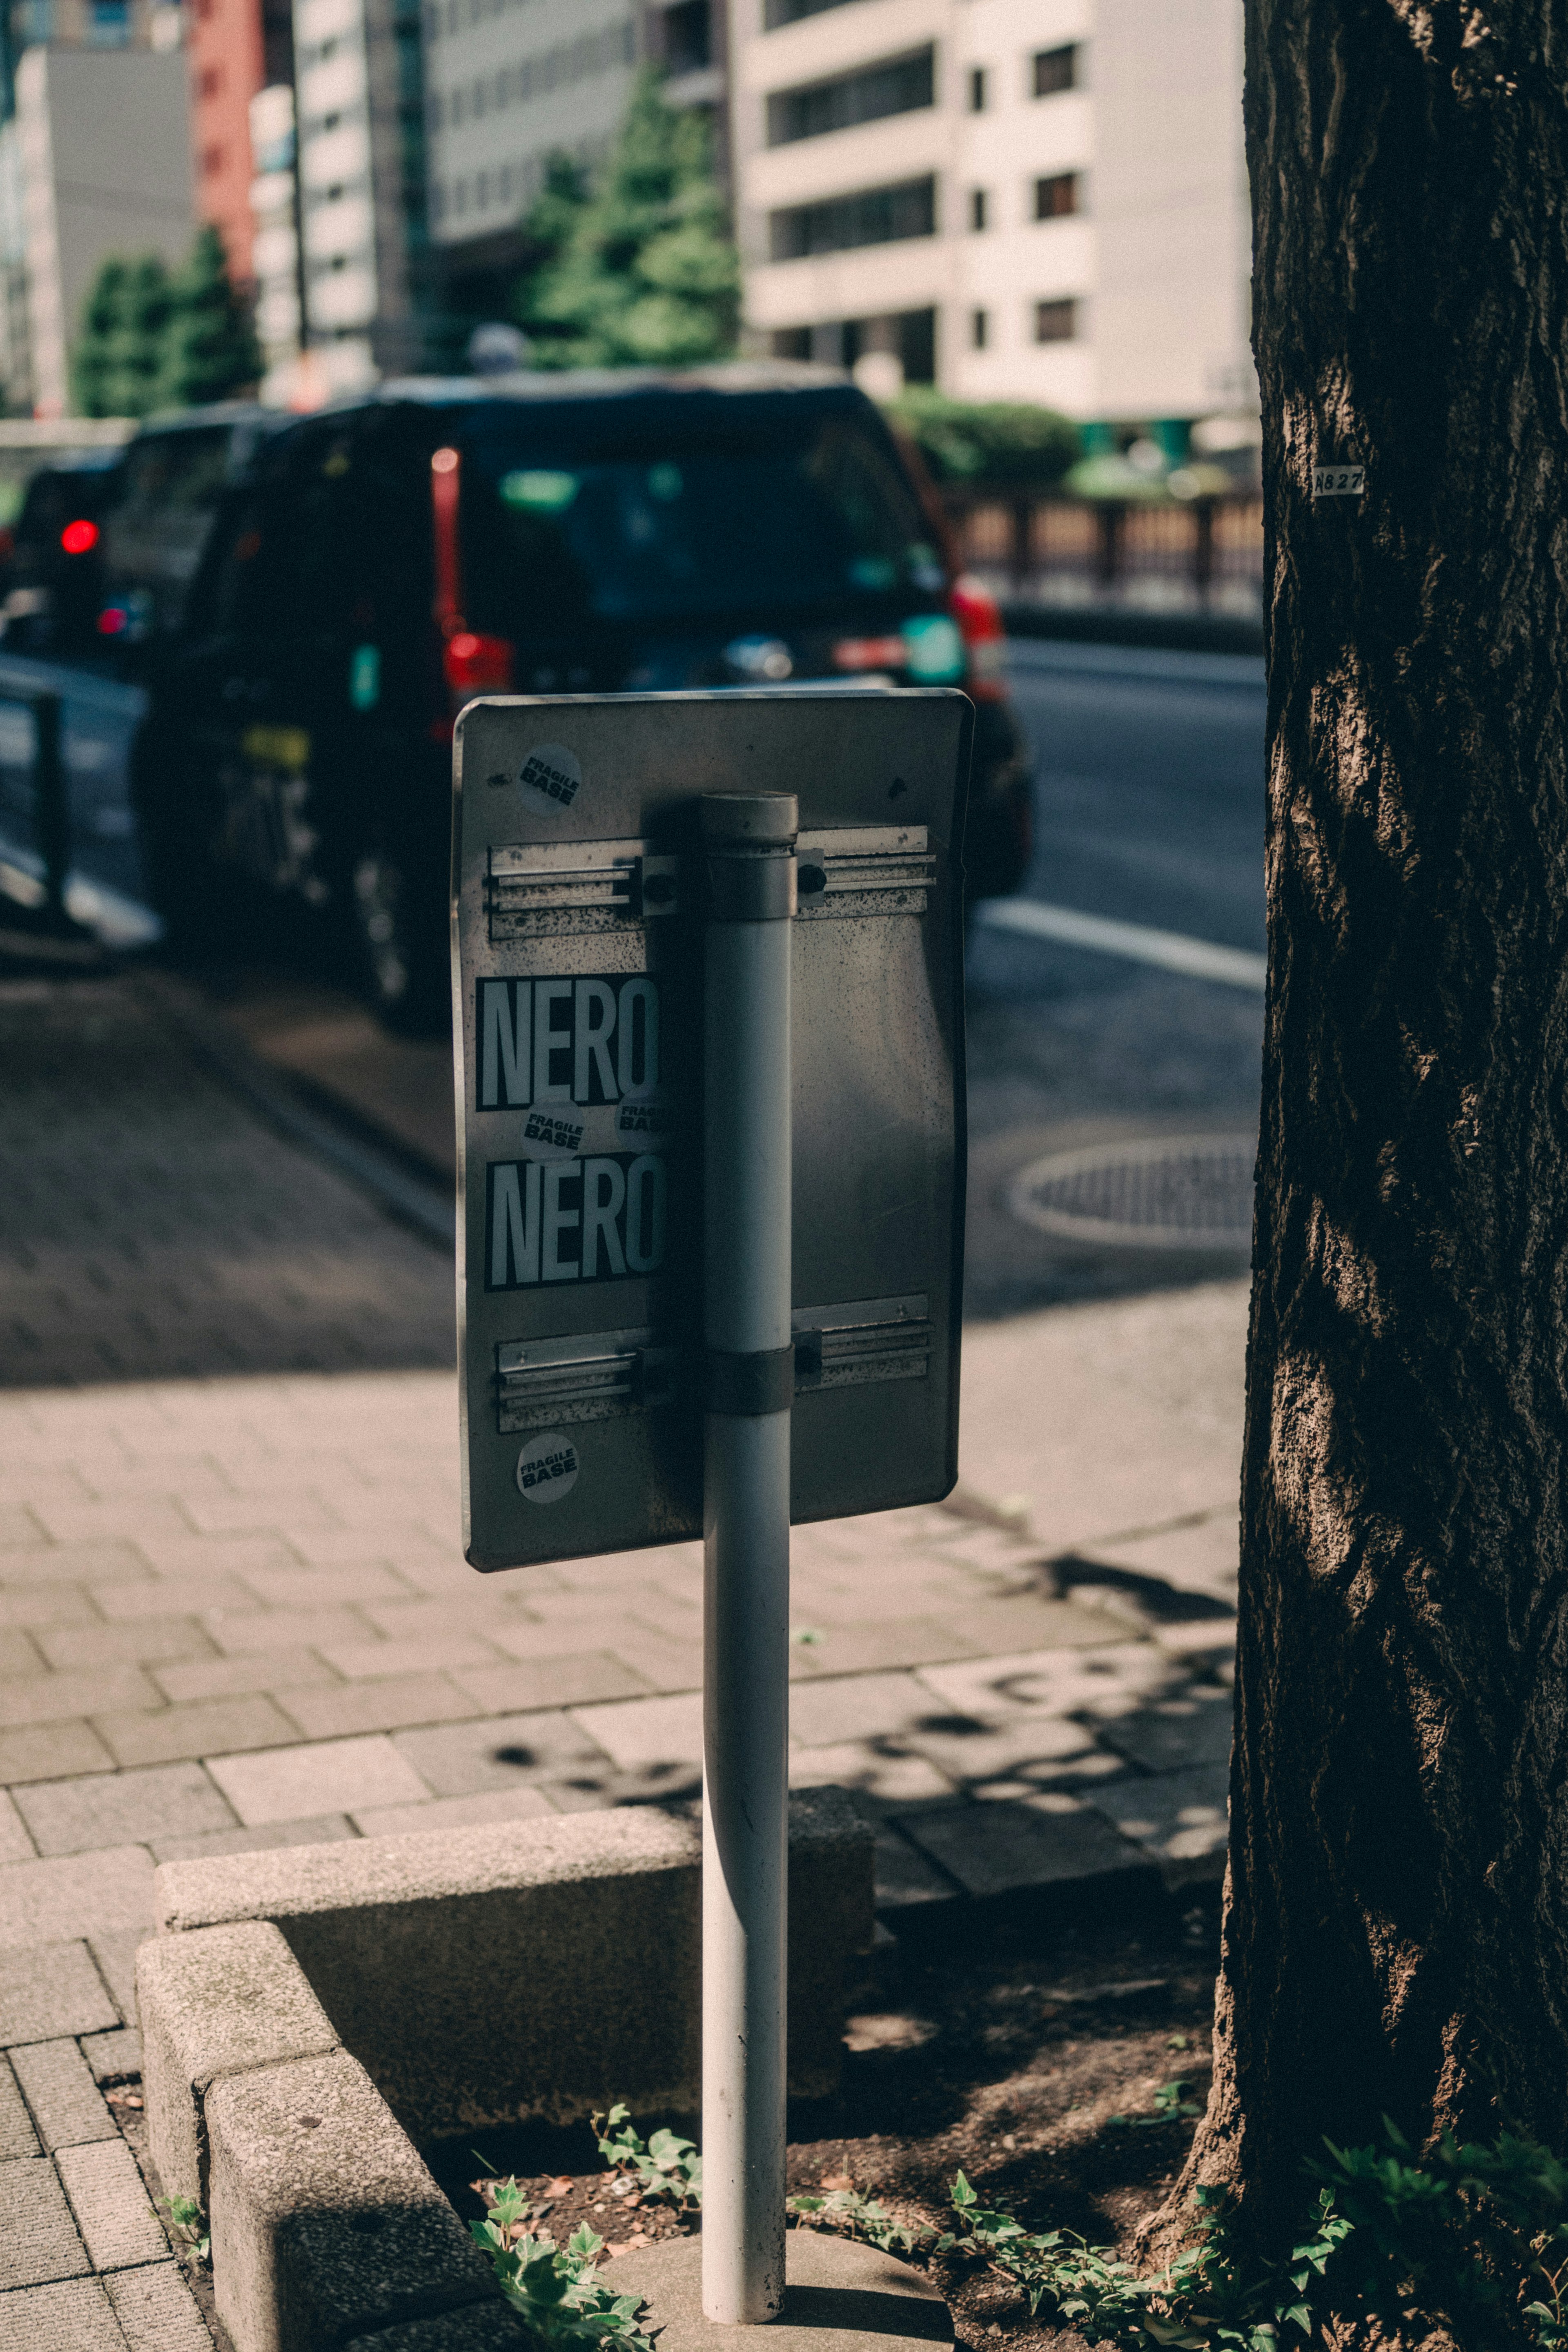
(749, 841)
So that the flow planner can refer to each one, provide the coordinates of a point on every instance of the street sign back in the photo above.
(579, 896)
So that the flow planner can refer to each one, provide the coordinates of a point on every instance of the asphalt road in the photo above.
(1149, 811)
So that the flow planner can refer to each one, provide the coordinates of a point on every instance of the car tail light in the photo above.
(984, 638)
(113, 621)
(869, 653)
(475, 664)
(79, 537)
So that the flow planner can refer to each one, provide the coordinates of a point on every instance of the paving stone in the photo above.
(1115, 1677)
(39, 1605)
(661, 1664)
(38, 2239)
(74, 2317)
(459, 1759)
(146, 1641)
(114, 1956)
(17, 2137)
(855, 1708)
(999, 1846)
(115, 2056)
(454, 1812)
(15, 1845)
(1175, 1733)
(572, 1680)
(1180, 1820)
(266, 1670)
(392, 1705)
(246, 1632)
(48, 1751)
(298, 1782)
(49, 1990)
(319, 1588)
(1034, 1751)
(205, 1728)
(156, 2310)
(322, 1828)
(1027, 1623)
(74, 1563)
(112, 2208)
(872, 1647)
(1200, 1557)
(61, 1895)
(114, 1807)
(880, 1771)
(646, 1731)
(905, 1875)
(434, 1650)
(18, 1654)
(58, 2086)
(129, 1600)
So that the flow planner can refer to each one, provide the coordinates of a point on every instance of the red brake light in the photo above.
(79, 537)
(111, 621)
(984, 638)
(475, 664)
(870, 652)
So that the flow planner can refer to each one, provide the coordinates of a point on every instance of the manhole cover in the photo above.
(1188, 1193)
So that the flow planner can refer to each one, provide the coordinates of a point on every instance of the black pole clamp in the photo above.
(760, 1380)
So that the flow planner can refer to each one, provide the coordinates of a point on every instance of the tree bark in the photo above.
(1395, 1930)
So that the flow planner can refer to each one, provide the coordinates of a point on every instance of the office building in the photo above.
(102, 157)
(360, 114)
(1035, 199)
(236, 49)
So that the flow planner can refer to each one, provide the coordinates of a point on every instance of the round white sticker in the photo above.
(547, 1467)
(551, 776)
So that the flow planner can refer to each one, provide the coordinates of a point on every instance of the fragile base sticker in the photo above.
(547, 1467)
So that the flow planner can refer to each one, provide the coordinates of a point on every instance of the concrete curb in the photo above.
(310, 2013)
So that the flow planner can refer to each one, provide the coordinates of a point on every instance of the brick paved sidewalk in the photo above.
(233, 1611)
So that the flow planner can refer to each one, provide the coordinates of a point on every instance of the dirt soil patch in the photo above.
(1040, 2066)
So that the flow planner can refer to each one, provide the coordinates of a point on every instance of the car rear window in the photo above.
(678, 507)
(171, 484)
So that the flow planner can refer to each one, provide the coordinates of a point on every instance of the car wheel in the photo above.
(402, 945)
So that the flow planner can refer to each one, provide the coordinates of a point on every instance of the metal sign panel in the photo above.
(578, 893)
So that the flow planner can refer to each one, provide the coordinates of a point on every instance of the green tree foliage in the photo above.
(644, 272)
(993, 446)
(151, 341)
(210, 349)
(118, 360)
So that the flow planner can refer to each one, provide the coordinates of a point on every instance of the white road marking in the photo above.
(1172, 950)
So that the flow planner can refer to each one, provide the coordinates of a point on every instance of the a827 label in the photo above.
(1338, 481)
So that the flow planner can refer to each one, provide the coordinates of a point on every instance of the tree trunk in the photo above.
(1395, 1935)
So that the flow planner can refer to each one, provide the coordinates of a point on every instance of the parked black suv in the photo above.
(384, 561)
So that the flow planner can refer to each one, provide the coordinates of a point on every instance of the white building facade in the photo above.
(506, 86)
(1029, 199)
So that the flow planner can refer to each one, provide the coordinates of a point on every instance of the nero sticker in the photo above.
(552, 777)
(542, 1043)
(547, 1469)
(600, 1219)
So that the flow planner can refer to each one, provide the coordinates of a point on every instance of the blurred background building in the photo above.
(1040, 200)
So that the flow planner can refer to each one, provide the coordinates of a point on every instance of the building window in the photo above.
(869, 216)
(688, 37)
(979, 208)
(979, 330)
(1057, 321)
(792, 342)
(1056, 70)
(1057, 197)
(897, 85)
(977, 90)
(790, 12)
